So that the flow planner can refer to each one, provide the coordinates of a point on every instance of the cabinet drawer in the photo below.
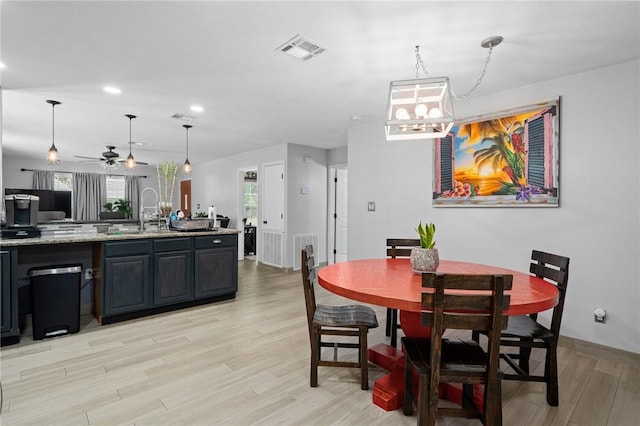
(216, 241)
(171, 244)
(127, 247)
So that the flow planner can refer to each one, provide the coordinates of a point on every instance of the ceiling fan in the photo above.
(109, 157)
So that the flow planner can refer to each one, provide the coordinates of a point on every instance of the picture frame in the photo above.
(505, 159)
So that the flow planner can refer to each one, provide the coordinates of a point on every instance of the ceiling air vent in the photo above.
(183, 117)
(301, 48)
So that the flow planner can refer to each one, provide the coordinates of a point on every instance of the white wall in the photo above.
(216, 183)
(307, 213)
(597, 224)
(337, 156)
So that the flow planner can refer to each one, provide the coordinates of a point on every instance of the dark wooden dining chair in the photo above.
(350, 320)
(525, 332)
(397, 247)
(437, 360)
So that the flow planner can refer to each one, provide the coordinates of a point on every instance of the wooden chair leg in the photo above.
(388, 329)
(525, 354)
(551, 374)
(467, 396)
(427, 401)
(394, 328)
(315, 357)
(364, 360)
(492, 415)
(407, 401)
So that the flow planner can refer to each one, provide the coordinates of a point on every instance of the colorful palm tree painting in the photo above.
(506, 161)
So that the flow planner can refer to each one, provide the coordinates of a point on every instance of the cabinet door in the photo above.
(126, 282)
(5, 270)
(173, 274)
(216, 272)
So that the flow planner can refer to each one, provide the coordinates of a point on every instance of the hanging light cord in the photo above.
(53, 125)
(130, 118)
(475, 86)
(187, 143)
(420, 66)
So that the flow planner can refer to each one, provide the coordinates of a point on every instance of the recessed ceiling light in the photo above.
(113, 90)
(2, 66)
(139, 143)
(196, 108)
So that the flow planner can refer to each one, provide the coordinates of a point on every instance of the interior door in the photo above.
(273, 200)
(185, 197)
(340, 236)
(271, 229)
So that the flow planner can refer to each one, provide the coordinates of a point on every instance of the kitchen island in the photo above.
(133, 273)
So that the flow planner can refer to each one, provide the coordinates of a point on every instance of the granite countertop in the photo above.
(115, 236)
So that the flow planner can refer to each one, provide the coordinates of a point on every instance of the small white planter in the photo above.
(424, 260)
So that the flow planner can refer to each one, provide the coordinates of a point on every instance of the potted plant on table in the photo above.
(425, 258)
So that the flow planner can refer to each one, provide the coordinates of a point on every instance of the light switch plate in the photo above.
(371, 206)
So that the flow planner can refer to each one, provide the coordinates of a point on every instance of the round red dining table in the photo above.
(393, 284)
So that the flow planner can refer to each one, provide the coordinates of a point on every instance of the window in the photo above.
(62, 181)
(115, 188)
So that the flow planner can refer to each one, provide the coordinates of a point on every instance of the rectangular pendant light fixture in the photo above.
(419, 109)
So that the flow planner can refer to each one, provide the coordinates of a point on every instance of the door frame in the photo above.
(240, 215)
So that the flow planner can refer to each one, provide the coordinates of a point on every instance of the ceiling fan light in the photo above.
(110, 165)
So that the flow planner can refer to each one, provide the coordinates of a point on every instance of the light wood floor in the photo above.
(246, 361)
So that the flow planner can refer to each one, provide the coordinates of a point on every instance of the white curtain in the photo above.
(132, 193)
(42, 179)
(89, 195)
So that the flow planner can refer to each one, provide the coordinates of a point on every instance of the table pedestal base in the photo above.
(388, 391)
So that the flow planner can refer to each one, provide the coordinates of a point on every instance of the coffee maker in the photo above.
(21, 216)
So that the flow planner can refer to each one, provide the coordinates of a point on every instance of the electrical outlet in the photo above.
(88, 274)
(371, 206)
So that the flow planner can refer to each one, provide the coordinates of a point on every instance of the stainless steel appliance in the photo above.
(22, 210)
(192, 225)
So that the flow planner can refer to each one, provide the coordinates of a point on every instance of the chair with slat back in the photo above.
(436, 360)
(524, 332)
(397, 247)
(351, 321)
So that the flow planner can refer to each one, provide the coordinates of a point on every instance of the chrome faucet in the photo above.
(143, 207)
